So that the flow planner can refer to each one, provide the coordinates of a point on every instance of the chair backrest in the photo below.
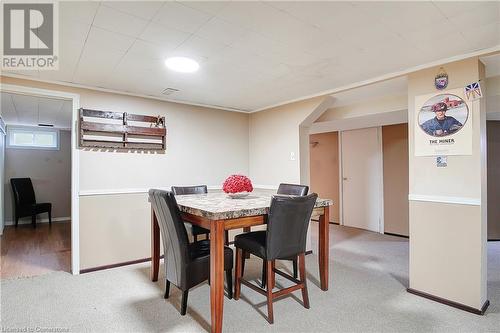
(293, 189)
(287, 224)
(23, 191)
(173, 234)
(199, 189)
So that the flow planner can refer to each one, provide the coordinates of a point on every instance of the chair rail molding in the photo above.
(445, 199)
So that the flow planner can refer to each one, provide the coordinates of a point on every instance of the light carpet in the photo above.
(368, 280)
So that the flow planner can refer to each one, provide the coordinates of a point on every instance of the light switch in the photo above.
(292, 156)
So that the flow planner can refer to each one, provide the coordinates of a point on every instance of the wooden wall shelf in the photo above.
(103, 129)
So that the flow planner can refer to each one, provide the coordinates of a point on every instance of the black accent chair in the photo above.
(284, 238)
(198, 189)
(25, 202)
(186, 264)
(286, 189)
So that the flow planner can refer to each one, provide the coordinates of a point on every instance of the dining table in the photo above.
(218, 212)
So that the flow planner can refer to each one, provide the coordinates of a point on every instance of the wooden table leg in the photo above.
(324, 248)
(155, 247)
(247, 229)
(216, 274)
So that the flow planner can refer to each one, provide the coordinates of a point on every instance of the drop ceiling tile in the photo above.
(283, 5)
(221, 31)
(164, 36)
(26, 108)
(485, 13)
(483, 36)
(69, 55)
(209, 7)
(116, 21)
(143, 9)
(199, 48)
(49, 111)
(396, 15)
(101, 40)
(8, 111)
(73, 32)
(178, 16)
(82, 11)
(150, 51)
(453, 8)
(95, 67)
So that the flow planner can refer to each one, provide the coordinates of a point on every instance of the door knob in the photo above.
(345, 178)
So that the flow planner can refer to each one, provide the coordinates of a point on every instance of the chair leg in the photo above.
(207, 236)
(50, 216)
(302, 268)
(264, 274)
(270, 286)
(17, 221)
(226, 238)
(243, 253)
(33, 220)
(167, 289)
(184, 302)
(238, 273)
(295, 269)
(229, 278)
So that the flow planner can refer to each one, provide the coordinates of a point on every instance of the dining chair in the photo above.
(25, 202)
(186, 264)
(285, 237)
(286, 189)
(198, 189)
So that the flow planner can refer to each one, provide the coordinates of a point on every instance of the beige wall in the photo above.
(50, 173)
(203, 146)
(273, 135)
(493, 131)
(324, 165)
(395, 157)
(448, 240)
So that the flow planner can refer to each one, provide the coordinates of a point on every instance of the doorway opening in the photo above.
(39, 223)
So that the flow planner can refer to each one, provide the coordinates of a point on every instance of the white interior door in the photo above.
(362, 192)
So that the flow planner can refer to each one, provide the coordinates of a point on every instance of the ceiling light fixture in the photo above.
(182, 64)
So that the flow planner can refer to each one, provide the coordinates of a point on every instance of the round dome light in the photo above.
(182, 64)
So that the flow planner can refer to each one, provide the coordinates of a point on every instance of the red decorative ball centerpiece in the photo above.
(237, 186)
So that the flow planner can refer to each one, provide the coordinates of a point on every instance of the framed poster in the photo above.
(443, 124)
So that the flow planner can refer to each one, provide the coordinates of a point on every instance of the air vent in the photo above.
(45, 125)
(169, 91)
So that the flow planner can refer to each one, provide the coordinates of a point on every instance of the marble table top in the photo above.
(218, 206)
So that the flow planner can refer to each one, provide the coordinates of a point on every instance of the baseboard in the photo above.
(445, 301)
(44, 220)
(120, 264)
(397, 235)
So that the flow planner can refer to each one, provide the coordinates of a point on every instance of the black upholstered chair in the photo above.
(284, 238)
(198, 189)
(293, 189)
(25, 203)
(186, 264)
(287, 189)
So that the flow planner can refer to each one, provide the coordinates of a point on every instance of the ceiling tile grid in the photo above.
(255, 54)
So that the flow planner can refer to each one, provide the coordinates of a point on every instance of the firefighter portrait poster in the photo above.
(443, 124)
